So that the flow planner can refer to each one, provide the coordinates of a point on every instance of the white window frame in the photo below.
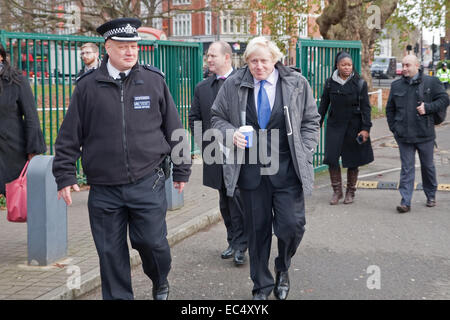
(233, 24)
(303, 26)
(182, 24)
(208, 23)
(181, 2)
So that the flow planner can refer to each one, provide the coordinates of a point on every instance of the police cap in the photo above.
(121, 29)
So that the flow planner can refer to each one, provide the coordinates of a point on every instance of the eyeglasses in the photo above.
(86, 53)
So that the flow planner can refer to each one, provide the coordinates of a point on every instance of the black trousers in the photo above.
(282, 208)
(141, 208)
(232, 211)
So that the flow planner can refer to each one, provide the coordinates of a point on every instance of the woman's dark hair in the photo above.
(7, 72)
(341, 55)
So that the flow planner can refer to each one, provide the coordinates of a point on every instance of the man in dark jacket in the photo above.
(412, 101)
(89, 55)
(219, 62)
(120, 119)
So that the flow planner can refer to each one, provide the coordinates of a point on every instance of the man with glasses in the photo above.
(89, 55)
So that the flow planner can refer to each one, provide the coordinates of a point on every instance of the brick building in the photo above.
(204, 21)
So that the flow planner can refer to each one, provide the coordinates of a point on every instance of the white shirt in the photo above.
(226, 75)
(113, 72)
(270, 86)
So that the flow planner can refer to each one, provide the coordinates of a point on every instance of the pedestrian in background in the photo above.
(345, 98)
(120, 119)
(409, 111)
(273, 100)
(219, 63)
(21, 136)
(89, 55)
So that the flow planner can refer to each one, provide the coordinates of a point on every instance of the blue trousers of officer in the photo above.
(141, 208)
(407, 174)
(282, 208)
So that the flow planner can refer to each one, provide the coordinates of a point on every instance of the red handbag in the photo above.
(16, 197)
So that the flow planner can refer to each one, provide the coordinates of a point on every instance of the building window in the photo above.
(232, 24)
(208, 23)
(179, 2)
(258, 23)
(182, 25)
(303, 26)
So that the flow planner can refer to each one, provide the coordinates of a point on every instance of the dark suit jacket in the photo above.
(204, 95)
(250, 174)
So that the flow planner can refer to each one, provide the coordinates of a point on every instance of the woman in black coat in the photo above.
(20, 132)
(346, 100)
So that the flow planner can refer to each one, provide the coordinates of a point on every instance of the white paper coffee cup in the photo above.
(247, 131)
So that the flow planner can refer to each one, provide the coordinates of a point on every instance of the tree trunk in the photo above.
(349, 20)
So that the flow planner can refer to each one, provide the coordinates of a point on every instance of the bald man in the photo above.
(412, 101)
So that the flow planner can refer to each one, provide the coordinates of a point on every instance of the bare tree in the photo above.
(32, 15)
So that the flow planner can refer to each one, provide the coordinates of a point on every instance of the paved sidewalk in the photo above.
(20, 281)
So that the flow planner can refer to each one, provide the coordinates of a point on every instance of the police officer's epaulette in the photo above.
(154, 69)
(84, 74)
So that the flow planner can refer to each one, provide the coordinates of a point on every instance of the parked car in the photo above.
(384, 67)
(399, 69)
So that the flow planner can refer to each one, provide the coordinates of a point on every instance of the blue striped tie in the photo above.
(263, 106)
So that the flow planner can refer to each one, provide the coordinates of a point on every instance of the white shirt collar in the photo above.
(271, 79)
(226, 75)
(113, 72)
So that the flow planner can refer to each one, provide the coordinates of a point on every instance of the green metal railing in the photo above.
(52, 62)
(316, 61)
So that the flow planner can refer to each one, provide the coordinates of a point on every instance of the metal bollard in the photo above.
(174, 199)
(47, 216)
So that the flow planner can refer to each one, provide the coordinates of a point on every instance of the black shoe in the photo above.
(228, 253)
(431, 203)
(161, 292)
(281, 289)
(260, 296)
(239, 257)
(403, 209)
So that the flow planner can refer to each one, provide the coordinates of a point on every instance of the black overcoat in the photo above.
(204, 95)
(348, 113)
(20, 131)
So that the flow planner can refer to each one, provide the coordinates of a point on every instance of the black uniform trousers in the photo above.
(140, 207)
(231, 209)
(284, 209)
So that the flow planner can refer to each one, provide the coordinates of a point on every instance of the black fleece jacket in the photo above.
(121, 129)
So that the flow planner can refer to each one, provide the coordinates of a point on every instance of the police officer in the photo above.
(444, 75)
(120, 120)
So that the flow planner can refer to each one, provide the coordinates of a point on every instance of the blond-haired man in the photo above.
(277, 102)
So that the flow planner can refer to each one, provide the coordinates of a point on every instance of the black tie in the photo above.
(218, 82)
(122, 75)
